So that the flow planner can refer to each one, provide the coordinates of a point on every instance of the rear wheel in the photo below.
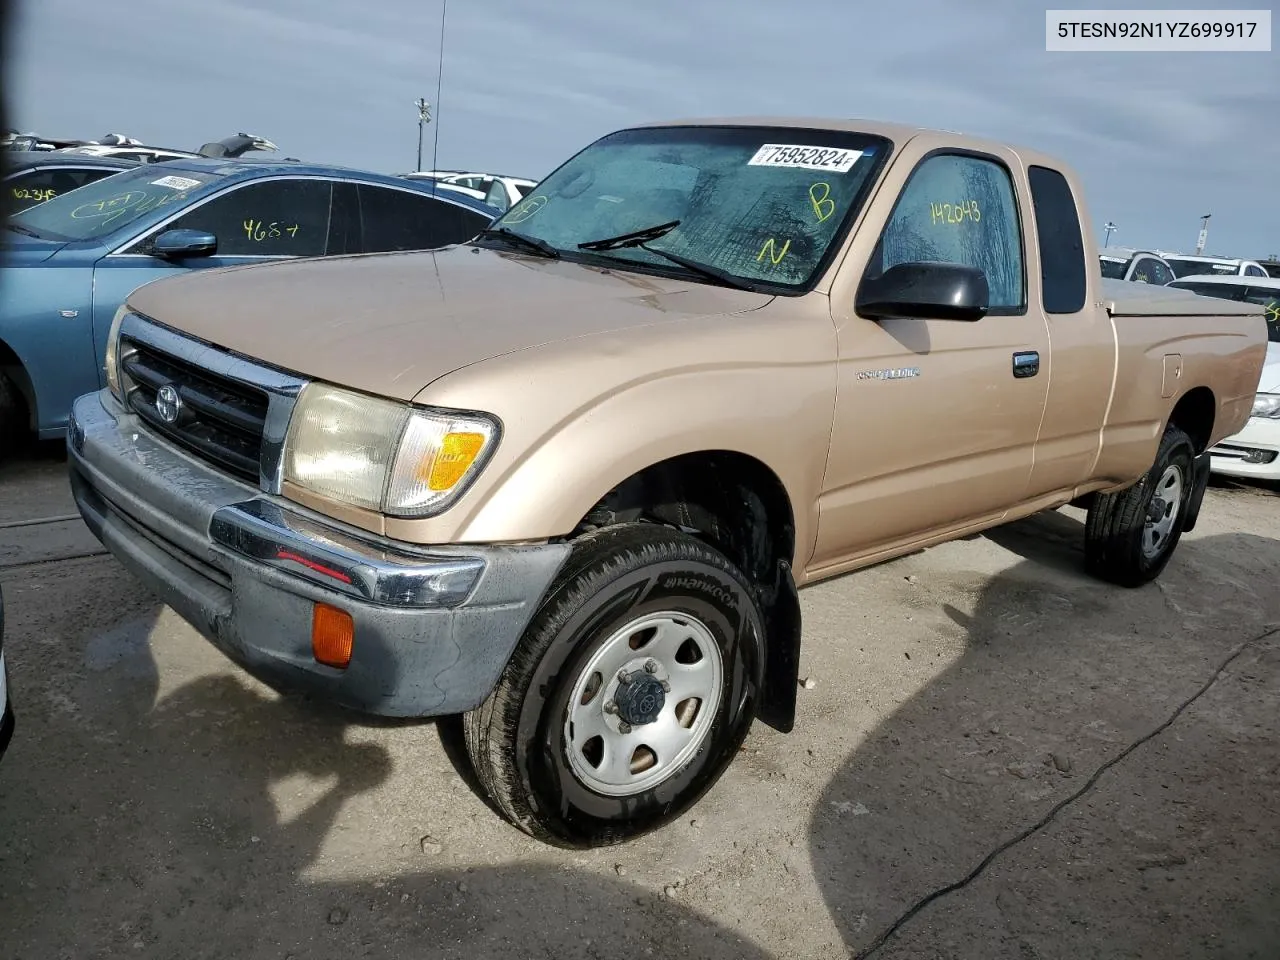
(629, 694)
(1130, 535)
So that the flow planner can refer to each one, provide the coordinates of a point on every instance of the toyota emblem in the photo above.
(168, 403)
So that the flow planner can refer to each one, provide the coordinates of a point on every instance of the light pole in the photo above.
(1204, 234)
(1109, 227)
(424, 117)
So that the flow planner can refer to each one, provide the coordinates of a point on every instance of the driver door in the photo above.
(935, 420)
(274, 219)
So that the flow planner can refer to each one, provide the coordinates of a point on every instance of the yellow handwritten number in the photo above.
(775, 255)
(955, 212)
(526, 208)
(258, 231)
(1273, 311)
(820, 200)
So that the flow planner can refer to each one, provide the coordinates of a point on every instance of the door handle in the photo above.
(1026, 363)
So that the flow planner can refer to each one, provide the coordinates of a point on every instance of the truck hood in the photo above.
(390, 324)
(22, 251)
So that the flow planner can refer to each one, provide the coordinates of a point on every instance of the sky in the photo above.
(1160, 139)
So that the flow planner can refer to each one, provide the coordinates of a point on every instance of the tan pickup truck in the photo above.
(565, 479)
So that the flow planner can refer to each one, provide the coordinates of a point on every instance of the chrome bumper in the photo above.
(434, 627)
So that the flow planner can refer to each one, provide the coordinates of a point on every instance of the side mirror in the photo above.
(179, 244)
(927, 290)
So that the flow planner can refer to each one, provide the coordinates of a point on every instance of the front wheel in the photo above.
(1131, 535)
(629, 694)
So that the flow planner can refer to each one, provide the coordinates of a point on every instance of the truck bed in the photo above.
(1124, 298)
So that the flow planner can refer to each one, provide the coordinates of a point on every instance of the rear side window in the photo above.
(400, 220)
(41, 184)
(267, 218)
(1270, 301)
(959, 209)
(1062, 273)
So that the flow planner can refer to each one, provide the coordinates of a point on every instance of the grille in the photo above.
(219, 418)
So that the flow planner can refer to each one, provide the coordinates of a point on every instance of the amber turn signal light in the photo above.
(333, 634)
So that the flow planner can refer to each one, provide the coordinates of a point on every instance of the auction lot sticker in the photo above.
(835, 159)
(177, 183)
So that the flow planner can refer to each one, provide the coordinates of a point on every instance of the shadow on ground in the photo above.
(1166, 856)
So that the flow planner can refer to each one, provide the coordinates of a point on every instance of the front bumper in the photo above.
(1254, 452)
(434, 627)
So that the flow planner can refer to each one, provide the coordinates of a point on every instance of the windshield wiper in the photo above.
(641, 238)
(23, 230)
(636, 238)
(522, 240)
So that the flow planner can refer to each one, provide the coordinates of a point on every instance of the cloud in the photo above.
(1159, 139)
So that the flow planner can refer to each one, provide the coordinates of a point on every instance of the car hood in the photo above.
(21, 250)
(390, 324)
(1270, 380)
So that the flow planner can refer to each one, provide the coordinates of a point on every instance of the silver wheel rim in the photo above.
(664, 670)
(1162, 512)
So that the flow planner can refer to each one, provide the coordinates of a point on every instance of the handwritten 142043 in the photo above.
(258, 231)
(955, 212)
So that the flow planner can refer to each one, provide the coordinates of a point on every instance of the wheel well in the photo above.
(1194, 414)
(11, 367)
(730, 500)
(739, 506)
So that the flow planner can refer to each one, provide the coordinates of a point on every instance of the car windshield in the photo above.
(764, 204)
(103, 207)
(1113, 269)
(1193, 268)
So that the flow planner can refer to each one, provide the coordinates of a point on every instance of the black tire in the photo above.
(13, 418)
(1116, 524)
(516, 738)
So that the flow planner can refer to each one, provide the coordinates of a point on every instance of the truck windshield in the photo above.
(103, 207)
(766, 204)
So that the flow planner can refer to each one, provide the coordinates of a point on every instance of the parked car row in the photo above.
(121, 147)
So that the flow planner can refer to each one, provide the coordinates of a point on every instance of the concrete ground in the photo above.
(1000, 758)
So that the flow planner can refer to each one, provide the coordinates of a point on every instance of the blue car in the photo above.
(70, 262)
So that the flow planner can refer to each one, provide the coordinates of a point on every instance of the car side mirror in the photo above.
(927, 290)
(179, 244)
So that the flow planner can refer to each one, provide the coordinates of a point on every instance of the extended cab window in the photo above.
(959, 209)
(400, 220)
(1062, 273)
(267, 218)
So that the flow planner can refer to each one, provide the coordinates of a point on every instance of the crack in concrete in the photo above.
(892, 930)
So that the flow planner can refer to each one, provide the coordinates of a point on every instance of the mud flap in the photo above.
(1199, 481)
(777, 707)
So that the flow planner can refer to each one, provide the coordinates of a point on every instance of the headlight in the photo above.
(112, 363)
(1266, 405)
(381, 455)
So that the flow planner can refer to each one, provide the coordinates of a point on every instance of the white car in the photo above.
(1140, 266)
(1254, 452)
(1190, 265)
(498, 191)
